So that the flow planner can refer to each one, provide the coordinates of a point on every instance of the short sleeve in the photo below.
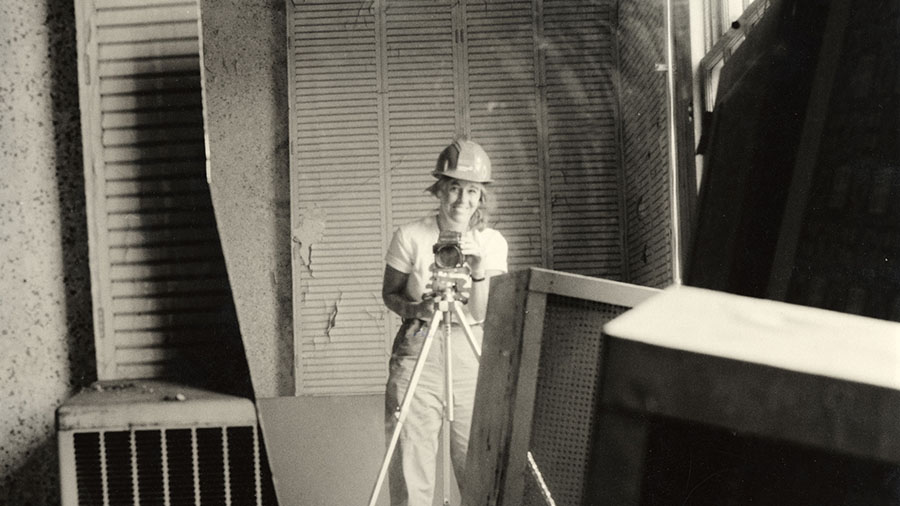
(399, 253)
(497, 251)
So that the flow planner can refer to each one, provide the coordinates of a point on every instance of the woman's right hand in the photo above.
(424, 310)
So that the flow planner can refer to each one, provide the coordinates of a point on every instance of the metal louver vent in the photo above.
(159, 444)
(213, 465)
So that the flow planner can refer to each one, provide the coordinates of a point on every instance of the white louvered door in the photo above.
(422, 101)
(378, 89)
(503, 111)
(581, 138)
(158, 276)
(337, 198)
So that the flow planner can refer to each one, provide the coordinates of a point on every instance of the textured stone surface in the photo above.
(46, 341)
(245, 82)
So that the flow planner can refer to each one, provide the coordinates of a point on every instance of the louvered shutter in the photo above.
(422, 105)
(337, 195)
(159, 280)
(503, 116)
(582, 144)
(377, 91)
(422, 108)
(645, 143)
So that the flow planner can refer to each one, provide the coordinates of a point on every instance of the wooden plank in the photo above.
(507, 376)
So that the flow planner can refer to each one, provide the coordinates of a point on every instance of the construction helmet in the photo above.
(464, 160)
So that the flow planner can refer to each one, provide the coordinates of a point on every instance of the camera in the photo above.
(447, 250)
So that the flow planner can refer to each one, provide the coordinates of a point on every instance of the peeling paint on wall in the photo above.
(309, 230)
(332, 316)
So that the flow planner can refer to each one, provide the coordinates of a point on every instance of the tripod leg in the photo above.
(469, 335)
(404, 406)
(448, 406)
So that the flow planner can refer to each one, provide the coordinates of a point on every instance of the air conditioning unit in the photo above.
(157, 443)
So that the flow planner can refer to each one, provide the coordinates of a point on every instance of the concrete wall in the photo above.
(245, 103)
(325, 450)
(46, 338)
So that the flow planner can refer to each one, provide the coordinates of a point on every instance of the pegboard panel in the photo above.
(538, 384)
(567, 388)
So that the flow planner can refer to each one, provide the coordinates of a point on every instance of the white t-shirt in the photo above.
(411, 252)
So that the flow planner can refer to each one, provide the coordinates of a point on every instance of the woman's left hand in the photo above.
(473, 252)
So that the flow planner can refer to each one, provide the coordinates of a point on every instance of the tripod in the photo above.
(447, 302)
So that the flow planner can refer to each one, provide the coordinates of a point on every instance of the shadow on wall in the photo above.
(70, 185)
(36, 481)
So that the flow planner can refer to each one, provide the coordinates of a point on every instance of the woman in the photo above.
(463, 172)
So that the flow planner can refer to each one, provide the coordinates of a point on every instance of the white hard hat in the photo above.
(464, 160)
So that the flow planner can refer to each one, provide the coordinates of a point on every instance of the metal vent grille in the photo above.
(567, 386)
(172, 467)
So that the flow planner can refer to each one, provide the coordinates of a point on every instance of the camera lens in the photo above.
(448, 257)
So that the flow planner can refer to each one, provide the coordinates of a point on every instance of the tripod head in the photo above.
(448, 284)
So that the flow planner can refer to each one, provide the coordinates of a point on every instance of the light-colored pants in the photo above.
(412, 468)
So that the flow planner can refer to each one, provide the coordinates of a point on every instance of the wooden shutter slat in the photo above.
(149, 49)
(162, 14)
(163, 321)
(139, 339)
(122, 85)
(149, 118)
(147, 305)
(146, 33)
(174, 100)
(208, 249)
(161, 287)
(194, 150)
(171, 271)
(174, 65)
